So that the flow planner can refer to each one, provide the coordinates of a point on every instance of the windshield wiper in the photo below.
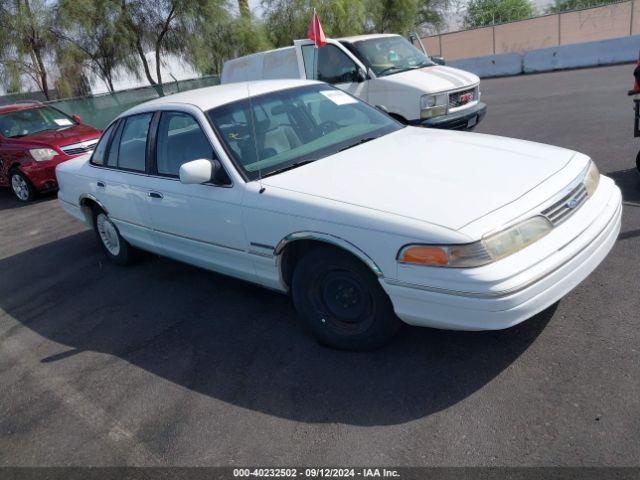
(359, 142)
(388, 69)
(289, 167)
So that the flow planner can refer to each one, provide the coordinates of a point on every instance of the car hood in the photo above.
(65, 136)
(441, 177)
(434, 79)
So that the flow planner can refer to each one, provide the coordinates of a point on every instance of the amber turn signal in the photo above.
(425, 255)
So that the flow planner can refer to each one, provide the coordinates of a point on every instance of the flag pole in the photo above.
(315, 45)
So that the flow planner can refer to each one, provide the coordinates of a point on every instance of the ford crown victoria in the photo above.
(368, 223)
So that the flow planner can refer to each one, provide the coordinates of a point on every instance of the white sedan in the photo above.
(302, 188)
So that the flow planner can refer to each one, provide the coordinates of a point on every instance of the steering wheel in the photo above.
(328, 127)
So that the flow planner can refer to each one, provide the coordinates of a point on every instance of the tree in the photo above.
(26, 41)
(287, 20)
(403, 16)
(481, 13)
(217, 35)
(565, 5)
(95, 30)
(72, 80)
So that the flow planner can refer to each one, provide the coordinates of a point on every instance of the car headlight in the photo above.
(491, 248)
(42, 154)
(591, 178)
(433, 105)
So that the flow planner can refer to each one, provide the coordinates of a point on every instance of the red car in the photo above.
(34, 138)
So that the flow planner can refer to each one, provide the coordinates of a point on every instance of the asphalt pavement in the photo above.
(164, 364)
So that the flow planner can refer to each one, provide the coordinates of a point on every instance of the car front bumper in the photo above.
(462, 120)
(523, 296)
(42, 175)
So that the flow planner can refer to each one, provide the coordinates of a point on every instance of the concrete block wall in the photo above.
(559, 57)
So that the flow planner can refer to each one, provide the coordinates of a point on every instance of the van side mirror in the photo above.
(76, 118)
(438, 60)
(198, 171)
(361, 75)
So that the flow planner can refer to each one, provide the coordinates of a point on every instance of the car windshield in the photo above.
(389, 55)
(33, 120)
(295, 126)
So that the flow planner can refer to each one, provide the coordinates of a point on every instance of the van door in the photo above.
(335, 65)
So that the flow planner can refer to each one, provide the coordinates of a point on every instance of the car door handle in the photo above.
(101, 184)
(154, 195)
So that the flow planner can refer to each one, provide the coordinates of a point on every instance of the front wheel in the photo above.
(116, 248)
(342, 302)
(21, 186)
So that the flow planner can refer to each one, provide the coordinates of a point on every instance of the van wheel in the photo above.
(21, 186)
(116, 248)
(342, 302)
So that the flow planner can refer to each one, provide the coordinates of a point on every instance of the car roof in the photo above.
(359, 38)
(211, 97)
(14, 107)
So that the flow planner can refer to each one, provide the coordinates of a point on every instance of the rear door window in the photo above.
(133, 143)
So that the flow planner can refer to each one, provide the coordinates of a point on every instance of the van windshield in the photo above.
(389, 55)
(285, 129)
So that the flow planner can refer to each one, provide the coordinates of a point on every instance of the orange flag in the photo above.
(315, 31)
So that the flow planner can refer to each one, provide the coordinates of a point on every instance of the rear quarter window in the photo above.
(98, 154)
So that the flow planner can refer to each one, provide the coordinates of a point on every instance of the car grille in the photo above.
(566, 206)
(77, 148)
(463, 97)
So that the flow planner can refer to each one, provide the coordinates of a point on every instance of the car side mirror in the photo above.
(438, 60)
(361, 76)
(198, 171)
(76, 118)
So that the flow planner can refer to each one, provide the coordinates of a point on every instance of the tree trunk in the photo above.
(158, 72)
(145, 64)
(163, 32)
(36, 46)
(42, 73)
(243, 5)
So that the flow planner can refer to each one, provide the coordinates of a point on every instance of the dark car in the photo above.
(34, 138)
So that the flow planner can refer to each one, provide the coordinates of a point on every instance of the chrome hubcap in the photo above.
(108, 234)
(20, 187)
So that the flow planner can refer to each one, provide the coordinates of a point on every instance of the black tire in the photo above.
(638, 161)
(21, 186)
(116, 248)
(342, 302)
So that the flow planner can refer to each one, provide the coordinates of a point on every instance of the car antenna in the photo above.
(255, 138)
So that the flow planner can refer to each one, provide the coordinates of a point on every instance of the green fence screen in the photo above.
(99, 110)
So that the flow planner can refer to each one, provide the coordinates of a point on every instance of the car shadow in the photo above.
(9, 202)
(629, 182)
(240, 343)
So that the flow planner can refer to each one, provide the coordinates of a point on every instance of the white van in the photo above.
(384, 70)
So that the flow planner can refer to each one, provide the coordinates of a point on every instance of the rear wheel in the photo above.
(342, 302)
(21, 186)
(116, 248)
